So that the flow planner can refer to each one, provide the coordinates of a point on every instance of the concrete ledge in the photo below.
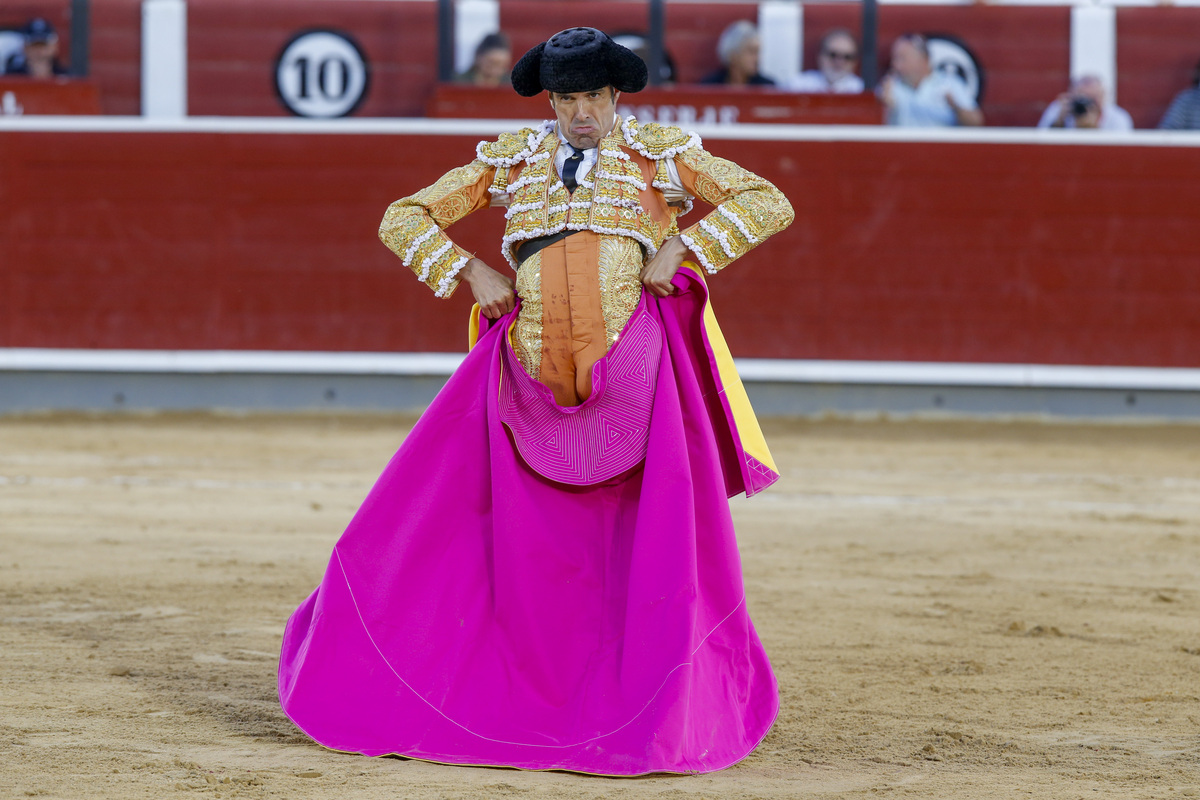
(493, 127)
(37, 379)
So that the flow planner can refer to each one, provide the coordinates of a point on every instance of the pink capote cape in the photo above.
(475, 612)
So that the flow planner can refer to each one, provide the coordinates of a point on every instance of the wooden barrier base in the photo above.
(675, 105)
(57, 96)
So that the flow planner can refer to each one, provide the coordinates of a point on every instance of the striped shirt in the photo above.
(1184, 113)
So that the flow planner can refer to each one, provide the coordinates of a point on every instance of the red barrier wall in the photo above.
(233, 45)
(685, 106)
(61, 96)
(900, 251)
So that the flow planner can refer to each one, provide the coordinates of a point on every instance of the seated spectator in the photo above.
(1084, 107)
(738, 50)
(39, 58)
(918, 96)
(492, 64)
(1184, 112)
(11, 43)
(837, 59)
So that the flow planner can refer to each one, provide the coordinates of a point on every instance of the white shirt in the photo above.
(674, 193)
(925, 106)
(566, 150)
(813, 81)
(1112, 118)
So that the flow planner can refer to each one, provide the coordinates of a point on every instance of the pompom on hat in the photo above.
(578, 60)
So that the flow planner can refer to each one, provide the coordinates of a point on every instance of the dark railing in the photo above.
(81, 28)
(445, 39)
(869, 36)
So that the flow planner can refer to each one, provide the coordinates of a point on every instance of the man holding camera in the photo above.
(1084, 107)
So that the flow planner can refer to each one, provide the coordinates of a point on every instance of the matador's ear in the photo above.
(527, 74)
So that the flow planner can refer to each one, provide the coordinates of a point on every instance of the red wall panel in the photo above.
(233, 46)
(1157, 49)
(116, 55)
(900, 250)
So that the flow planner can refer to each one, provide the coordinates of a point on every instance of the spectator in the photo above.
(39, 59)
(916, 95)
(837, 60)
(1084, 107)
(492, 64)
(738, 50)
(1184, 112)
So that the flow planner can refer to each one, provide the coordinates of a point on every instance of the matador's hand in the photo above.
(658, 272)
(493, 291)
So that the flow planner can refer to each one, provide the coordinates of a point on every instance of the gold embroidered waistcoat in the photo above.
(643, 180)
(609, 200)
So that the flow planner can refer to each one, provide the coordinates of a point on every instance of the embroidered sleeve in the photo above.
(748, 208)
(413, 226)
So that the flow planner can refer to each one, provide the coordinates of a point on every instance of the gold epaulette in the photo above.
(657, 142)
(512, 148)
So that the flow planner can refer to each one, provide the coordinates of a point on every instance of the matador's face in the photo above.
(585, 117)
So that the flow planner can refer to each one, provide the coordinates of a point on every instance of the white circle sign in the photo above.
(321, 74)
(948, 54)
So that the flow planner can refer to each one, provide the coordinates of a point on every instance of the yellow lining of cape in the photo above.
(753, 442)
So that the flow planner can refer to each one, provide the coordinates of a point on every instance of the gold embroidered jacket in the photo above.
(643, 180)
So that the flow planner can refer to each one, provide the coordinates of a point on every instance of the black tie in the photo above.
(570, 168)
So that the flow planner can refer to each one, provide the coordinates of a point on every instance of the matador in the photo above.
(546, 576)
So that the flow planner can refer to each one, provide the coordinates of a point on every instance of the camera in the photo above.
(1081, 106)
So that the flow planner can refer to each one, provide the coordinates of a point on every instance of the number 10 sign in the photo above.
(321, 73)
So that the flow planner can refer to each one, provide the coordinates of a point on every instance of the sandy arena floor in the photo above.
(954, 610)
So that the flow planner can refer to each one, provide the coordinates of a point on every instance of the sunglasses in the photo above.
(837, 56)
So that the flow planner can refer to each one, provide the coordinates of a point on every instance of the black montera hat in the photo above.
(577, 60)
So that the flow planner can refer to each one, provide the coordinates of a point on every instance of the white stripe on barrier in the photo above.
(493, 127)
(915, 373)
(1094, 45)
(757, 370)
(227, 362)
(164, 59)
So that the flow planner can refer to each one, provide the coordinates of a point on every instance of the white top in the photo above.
(675, 192)
(1112, 118)
(813, 81)
(925, 106)
(590, 157)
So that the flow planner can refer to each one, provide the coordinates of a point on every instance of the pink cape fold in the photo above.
(604, 436)
(475, 612)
